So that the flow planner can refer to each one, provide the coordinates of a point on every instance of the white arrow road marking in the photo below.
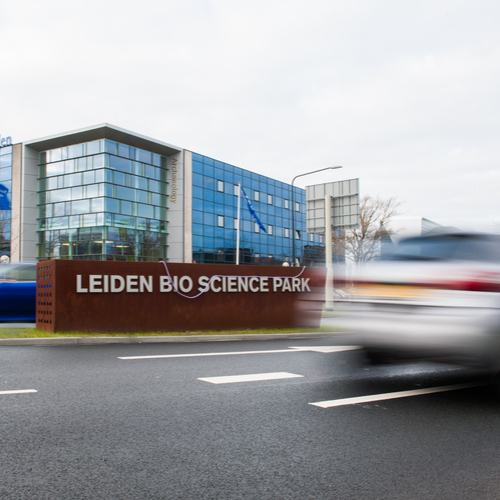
(394, 395)
(249, 378)
(24, 391)
(324, 349)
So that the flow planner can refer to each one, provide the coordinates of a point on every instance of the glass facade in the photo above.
(5, 199)
(215, 202)
(102, 200)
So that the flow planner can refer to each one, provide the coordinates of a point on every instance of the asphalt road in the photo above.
(101, 427)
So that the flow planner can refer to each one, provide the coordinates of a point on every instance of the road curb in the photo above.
(58, 341)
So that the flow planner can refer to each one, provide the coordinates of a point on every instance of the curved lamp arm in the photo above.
(293, 205)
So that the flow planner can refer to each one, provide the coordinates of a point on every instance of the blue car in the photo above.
(18, 292)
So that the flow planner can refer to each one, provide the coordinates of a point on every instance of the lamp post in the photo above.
(293, 207)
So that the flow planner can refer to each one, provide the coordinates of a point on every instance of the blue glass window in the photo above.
(54, 169)
(208, 219)
(77, 193)
(197, 242)
(208, 183)
(208, 195)
(208, 207)
(59, 195)
(209, 243)
(75, 151)
(93, 147)
(80, 207)
(97, 205)
(73, 180)
(197, 204)
(142, 196)
(5, 161)
(125, 193)
(123, 151)
(126, 208)
(121, 164)
(160, 213)
(112, 205)
(143, 156)
(197, 192)
(197, 168)
(100, 161)
(145, 210)
(88, 177)
(111, 147)
(156, 160)
(197, 217)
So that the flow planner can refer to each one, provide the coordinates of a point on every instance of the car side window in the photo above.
(25, 272)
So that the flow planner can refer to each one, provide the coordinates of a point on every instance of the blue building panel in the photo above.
(215, 182)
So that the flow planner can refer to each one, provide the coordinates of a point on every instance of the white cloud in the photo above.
(403, 94)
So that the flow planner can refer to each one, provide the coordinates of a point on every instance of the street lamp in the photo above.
(293, 207)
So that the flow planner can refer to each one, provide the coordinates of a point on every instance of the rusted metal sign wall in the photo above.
(93, 296)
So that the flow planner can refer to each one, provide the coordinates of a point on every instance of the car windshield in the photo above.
(453, 247)
(18, 272)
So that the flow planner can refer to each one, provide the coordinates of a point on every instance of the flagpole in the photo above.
(238, 227)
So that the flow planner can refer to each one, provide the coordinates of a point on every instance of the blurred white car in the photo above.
(434, 296)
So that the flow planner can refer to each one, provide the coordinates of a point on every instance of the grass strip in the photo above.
(33, 333)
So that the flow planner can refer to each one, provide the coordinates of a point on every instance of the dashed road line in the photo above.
(23, 391)
(394, 395)
(322, 349)
(256, 377)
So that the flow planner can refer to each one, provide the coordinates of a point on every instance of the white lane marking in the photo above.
(249, 378)
(325, 349)
(393, 395)
(23, 391)
(328, 348)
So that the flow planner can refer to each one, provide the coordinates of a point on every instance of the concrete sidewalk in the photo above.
(55, 341)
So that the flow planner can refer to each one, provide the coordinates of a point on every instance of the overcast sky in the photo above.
(403, 94)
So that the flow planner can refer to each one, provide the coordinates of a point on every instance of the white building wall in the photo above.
(175, 212)
(24, 204)
(29, 209)
(406, 227)
(188, 206)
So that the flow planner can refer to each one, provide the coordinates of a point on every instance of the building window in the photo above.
(235, 223)
(269, 229)
(236, 190)
(311, 237)
(256, 227)
(256, 196)
(297, 207)
(287, 232)
(287, 204)
(321, 238)
(270, 199)
(220, 186)
(220, 220)
(297, 235)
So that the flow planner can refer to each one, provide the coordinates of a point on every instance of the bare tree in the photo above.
(363, 244)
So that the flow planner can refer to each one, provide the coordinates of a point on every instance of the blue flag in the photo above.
(4, 201)
(252, 211)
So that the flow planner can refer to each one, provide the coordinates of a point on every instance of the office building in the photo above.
(105, 193)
